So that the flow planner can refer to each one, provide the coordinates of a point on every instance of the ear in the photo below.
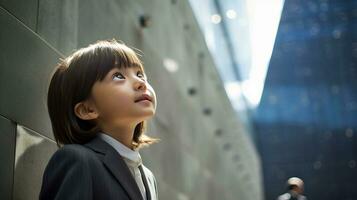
(85, 111)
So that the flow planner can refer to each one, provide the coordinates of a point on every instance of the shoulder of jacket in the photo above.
(75, 152)
(74, 148)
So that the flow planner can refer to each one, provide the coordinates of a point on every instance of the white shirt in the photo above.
(132, 159)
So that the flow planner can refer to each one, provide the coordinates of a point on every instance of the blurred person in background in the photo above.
(295, 187)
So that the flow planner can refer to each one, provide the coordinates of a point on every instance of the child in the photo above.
(98, 101)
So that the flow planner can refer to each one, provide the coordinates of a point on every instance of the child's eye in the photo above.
(140, 74)
(118, 76)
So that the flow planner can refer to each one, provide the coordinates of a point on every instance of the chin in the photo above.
(147, 116)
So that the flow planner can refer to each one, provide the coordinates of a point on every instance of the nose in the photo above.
(139, 84)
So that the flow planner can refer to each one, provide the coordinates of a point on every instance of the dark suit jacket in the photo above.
(92, 171)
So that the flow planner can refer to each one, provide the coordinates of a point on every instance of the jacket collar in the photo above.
(116, 165)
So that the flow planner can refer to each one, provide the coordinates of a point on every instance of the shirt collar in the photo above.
(127, 153)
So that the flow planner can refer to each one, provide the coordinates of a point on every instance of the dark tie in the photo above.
(148, 196)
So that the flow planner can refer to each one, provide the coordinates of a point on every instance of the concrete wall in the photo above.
(204, 151)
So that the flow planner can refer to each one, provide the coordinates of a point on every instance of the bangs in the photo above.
(107, 55)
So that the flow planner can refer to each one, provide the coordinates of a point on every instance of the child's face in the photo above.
(123, 97)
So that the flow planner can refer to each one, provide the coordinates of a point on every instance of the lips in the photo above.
(143, 98)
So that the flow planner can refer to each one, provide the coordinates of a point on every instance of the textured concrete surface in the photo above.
(24, 74)
(25, 11)
(32, 154)
(7, 159)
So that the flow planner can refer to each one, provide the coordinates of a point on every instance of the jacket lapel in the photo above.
(116, 165)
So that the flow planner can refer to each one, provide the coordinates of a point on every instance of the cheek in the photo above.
(109, 101)
(115, 101)
(114, 106)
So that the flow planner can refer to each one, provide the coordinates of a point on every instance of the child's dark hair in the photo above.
(72, 83)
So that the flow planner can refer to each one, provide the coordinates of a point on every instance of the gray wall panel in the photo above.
(107, 19)
(58, 23)
(7, 152)
(33, 152)
(25, 11)
(26, 66)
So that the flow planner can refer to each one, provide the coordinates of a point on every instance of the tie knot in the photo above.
(133, 163)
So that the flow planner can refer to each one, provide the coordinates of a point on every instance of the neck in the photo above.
(123, 134)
